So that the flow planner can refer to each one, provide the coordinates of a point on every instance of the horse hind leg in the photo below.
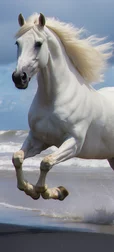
(111, 162)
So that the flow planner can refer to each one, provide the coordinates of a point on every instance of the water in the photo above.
(90, 184)
(11, 141)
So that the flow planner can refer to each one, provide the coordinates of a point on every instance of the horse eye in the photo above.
(38, 44)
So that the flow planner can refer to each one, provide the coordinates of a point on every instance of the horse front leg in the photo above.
(66, 150)
(30, 148)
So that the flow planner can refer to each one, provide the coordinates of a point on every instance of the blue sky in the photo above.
(95, 16)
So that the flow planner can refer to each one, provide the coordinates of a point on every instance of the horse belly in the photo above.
(98, 145)
(96, 150)
(99, 141)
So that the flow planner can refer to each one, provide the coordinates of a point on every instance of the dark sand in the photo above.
(22, 238)
(26, 230)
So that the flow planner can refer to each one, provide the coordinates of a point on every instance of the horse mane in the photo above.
(89, 55)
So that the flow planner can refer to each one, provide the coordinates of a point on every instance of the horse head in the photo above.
(32, 50)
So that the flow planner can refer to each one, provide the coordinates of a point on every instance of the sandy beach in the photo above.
(25, 223)
(17, 208)
(24, 238)
(84, 221)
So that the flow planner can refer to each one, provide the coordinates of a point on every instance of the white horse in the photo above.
(66, 111)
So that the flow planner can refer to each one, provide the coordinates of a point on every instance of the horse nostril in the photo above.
(20, 79)
(13, 76)
(23, 76)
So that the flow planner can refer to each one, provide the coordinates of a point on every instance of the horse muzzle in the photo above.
(21, 80)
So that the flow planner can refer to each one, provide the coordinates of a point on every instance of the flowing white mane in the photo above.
(89, 55)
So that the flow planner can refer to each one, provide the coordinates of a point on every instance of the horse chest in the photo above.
(45, 127)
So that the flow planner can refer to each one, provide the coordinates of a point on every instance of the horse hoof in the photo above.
(30, 191)
(56, 193)
(63, 193)
(34, 196)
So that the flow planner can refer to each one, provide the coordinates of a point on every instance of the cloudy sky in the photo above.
(97, 16)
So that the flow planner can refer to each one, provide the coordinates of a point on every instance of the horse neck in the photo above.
(59, 77)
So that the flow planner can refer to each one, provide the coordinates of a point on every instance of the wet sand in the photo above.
(28, 238)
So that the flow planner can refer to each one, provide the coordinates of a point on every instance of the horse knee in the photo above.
(46, 163)
(18, 158)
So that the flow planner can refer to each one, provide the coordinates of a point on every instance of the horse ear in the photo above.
(42, 20)
(21, 20)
